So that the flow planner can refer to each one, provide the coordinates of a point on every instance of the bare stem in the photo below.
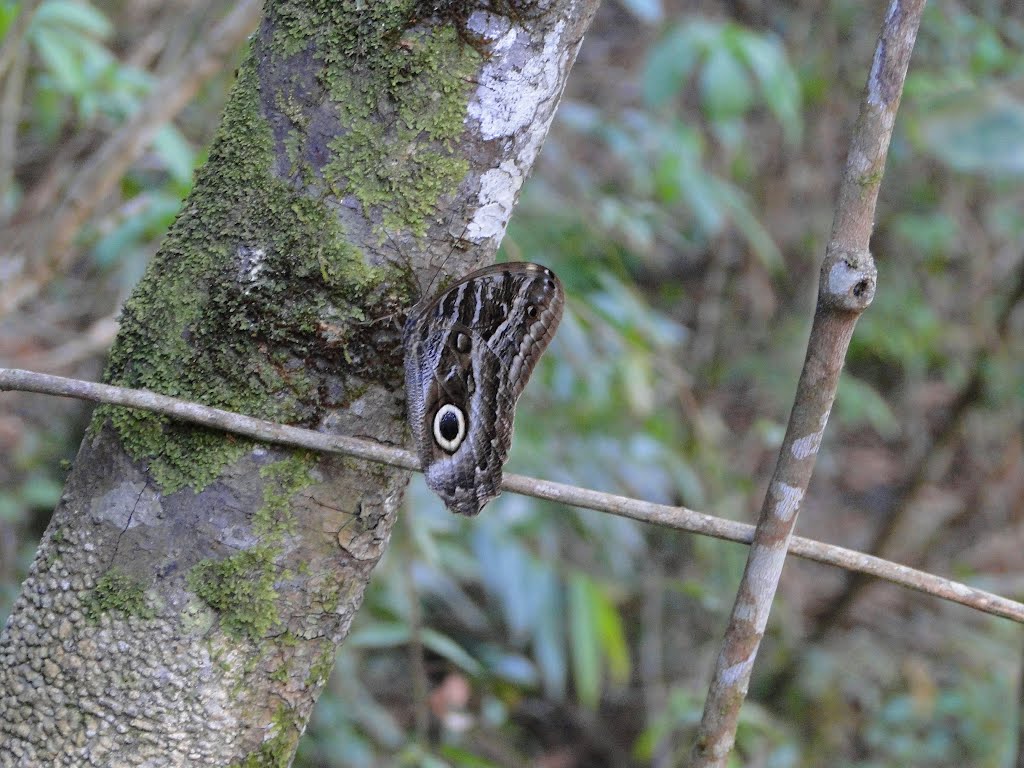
(679, 518)
(10, 49)
(49, 242)
(10, 114)
(417, 664)
(895, 515)
(845, 289)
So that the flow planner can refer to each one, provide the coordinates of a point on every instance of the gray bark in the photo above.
(188, 598)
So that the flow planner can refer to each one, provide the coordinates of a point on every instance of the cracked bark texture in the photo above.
(187, 600)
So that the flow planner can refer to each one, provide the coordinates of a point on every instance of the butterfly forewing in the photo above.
(468, 355)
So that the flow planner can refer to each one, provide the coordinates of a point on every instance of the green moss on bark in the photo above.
(117, 591)
(321, 669)
(278, 749)
(230, 312)
(282, 480)
(401, 99)
(241, 588)
(257, 294)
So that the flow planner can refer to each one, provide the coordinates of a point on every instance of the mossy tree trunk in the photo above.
(187, 601)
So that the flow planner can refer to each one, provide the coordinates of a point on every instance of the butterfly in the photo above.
(469, 352)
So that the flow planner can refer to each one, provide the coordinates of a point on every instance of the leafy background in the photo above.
(684, 196)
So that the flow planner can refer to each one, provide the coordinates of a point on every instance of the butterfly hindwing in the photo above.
(468, 355)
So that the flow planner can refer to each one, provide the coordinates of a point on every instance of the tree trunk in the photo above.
(188, 598)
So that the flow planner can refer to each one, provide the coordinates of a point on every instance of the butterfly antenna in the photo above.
(407, 261)
(460, 239)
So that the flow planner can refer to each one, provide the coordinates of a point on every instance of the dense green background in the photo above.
(683, 196)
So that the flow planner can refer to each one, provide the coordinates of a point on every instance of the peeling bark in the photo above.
(187, 600)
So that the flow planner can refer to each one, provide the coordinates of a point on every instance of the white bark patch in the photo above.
(251, 262)
(875, 97)
(127, 505)
(515, 101)
(808, 445)
(738, 671)
(961, 590)
(745, 611)
(764, 570)
(880, 94)
(498, 190)
(513, 88)
(842, 277)
(788, 500)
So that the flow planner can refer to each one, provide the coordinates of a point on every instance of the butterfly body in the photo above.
(469, 352)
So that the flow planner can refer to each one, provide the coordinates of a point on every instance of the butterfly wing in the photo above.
(468, 355)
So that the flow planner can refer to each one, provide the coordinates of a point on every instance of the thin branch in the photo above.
(91, 185)
(10, 116)
(895, 514)
(967, 395)
(417, 659)
(679, 518)
(845, 289)
(1019, 762)
(16, 34)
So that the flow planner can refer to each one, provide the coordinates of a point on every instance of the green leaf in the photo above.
(466, 759)
(73, 16)
(506, 570)
(415, 756)
(151, 218)
(379, 635)
(514, 668)
(444, 646)
(584, 634)
(8, 13)
(41, 491)
(11, 509)
(977, 131)
(698, 193)
(613, 636)
(858, 402)
(767, 60)
(648, 11)
(667, 68)
(549, 638)
(175, 152)
(758, 238)
(59, 59)
(725, 87)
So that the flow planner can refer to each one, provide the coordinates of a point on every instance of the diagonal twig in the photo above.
(48, 248)
(679, 518)
(15, 36)
(845, 289)
(896, 513)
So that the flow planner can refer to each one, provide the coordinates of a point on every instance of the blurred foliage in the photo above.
(77, 86)
(684, 196)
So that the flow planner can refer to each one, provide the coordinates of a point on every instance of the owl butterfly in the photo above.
(469, 352)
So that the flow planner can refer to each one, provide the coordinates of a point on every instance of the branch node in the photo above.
(848, 279)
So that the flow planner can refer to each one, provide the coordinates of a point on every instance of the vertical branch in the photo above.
(1019, 762)
(894, 515)
(417, 667)
(10, 114)
(11, 48)
(846, 288)
(13, 70)
(46, 247)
